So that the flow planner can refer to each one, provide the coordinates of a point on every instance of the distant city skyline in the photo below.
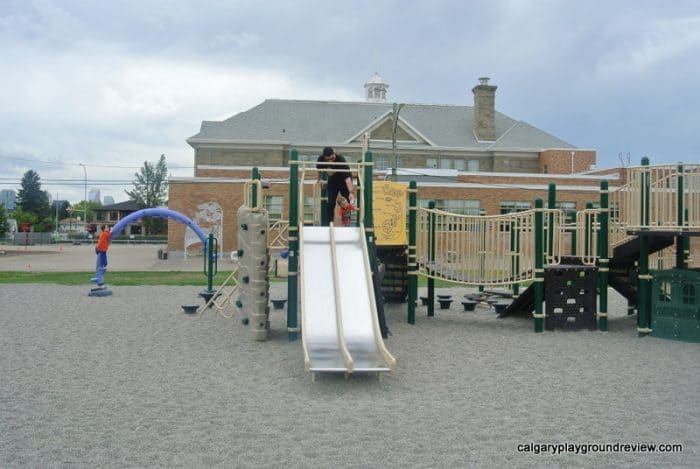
(94, 195)
(8, 198)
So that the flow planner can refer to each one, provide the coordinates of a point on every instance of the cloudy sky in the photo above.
(113, 84)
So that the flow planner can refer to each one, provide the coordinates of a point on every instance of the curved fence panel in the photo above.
(485, 250)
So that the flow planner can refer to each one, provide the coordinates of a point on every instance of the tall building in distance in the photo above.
(8, 198)
(108, 200)
(94, 196)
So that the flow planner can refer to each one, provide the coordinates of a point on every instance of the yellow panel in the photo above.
(390, 203)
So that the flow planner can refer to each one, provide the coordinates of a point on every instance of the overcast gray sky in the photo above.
(112, 84)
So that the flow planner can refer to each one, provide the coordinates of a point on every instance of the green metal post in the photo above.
(367, 194)
(293, 260)
(644, 282)
(515, 255)
(369, 218)
(431, 261)
(324, 200)
(255, 176)
(551, 204)
(686, 243)
(603, 258)
(210, 262)
(573, 242)
(412, 262)
(539, 267)
(680, 244)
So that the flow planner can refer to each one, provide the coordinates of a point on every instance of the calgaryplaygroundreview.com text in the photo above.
(588, 448)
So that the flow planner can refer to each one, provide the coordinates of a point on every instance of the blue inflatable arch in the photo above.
(158, 212)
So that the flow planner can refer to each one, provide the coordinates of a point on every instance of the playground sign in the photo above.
(389, 204)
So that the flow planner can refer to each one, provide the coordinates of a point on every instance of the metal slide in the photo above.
(340, 329)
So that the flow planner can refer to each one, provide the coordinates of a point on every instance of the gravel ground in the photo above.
(130, 380)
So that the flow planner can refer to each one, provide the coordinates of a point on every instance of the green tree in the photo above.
(31, 198)
(25, 217)
(79, 209)
(4, 226)
(151, 190)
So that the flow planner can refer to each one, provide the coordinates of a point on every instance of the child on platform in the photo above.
(345, 210)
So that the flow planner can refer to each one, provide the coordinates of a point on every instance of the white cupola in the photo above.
(376, 89)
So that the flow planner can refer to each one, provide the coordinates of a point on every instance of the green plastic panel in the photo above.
(675, 304)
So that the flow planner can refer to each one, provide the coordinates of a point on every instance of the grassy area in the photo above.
(147, 278)
(113, 278)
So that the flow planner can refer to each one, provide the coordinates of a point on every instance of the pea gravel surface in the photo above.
(131, 381)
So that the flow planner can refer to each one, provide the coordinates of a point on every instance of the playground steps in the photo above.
(395, 280)
(524, 304)
(623, 268)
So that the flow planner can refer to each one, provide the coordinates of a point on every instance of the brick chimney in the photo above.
(484, 110)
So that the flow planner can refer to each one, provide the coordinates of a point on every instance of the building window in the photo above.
(382, 162)
(431, 163)
(445, 163)
(569, 209)
(273, 205)
(473, 165)
(439, 204)
(459, 164)
(398, 161)
(309, 210)
(514, 206)
(462, 206)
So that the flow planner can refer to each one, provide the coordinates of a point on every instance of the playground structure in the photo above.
(647, 221)
(341, 329)
(538, 254)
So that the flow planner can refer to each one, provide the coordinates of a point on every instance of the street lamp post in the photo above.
(56, 203)
(394, 125)
(84, 197)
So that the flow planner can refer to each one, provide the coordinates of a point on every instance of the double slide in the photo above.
(340, 328)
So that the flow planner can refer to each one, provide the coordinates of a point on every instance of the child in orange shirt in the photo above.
(345, 210)
(101, 251)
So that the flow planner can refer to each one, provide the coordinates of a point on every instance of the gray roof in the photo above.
(128, 205)
(323, 122)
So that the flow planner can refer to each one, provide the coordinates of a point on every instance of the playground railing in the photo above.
(356, 169)
(485, 250)
(587, 235)
(278, 235)
(664, 197)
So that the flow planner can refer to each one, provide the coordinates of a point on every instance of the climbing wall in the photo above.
(570, 294)
(253, 261)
